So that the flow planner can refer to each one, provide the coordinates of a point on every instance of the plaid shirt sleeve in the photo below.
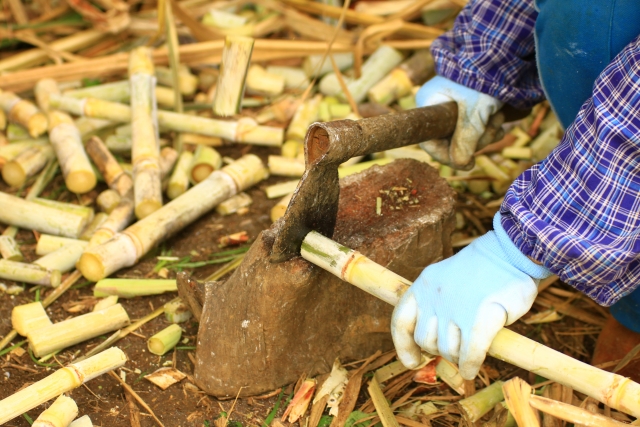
(578, 211)
(491, 49)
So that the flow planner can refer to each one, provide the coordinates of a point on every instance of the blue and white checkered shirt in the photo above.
(577, 211)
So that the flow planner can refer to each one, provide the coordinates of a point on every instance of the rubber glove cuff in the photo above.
(513, 255)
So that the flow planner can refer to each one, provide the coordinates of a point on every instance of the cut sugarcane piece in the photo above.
(250, 132)
(177, 312)
(11, 151)
(24, 113)
(108, 200)
(145, 152)
(63, 259)
(168, 158)
(9, 249)
(119, 91)
(179, 181)
(118, 220)
(292, 149)
(88, 126)
(300, 402)
(234, 204)
(128, 247)
(572, 414)
(306, 114)
(60, 414)
(281, 110)
(221, 19)
(375, 68)
(29, 273)
(476, 406)
(546, 142)
(282, 189)
(359, 167)
(49, 243)
(187, 82)
(205, 160)
(118, 143)
(283, 166)
(105, 302)
(339, 111)
(77, 329)
(83, 421)
(280, 208)
(61, 381)
(399, 82)
(319, 65)
(15, 132)
(236, 56)
(194, 138)
(84, 212)
(26, 164)
(164, 340)
(30, 215)
(112, 172)
(613, 390)
(261, 82)
(43, 89)
(517, 394)
(522, 153)
(66, 140)
(99, 219)
(29, 317)
(130, 288)
(294, 78)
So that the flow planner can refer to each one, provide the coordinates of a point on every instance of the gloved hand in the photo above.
(478, 124)
(457, 306)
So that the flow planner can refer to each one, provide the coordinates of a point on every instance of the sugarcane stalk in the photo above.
(63, 259)
(87, 126)
(119, 91)
(26, 164)
(60, 414)
(236, 56)
(194, 138)
(283, 166)
(306, 114)
(84, 212)
(479, 404)
(48, 243)
(76, 330)
(571, 413)
(98, 220)
(112, 172)
(24, 113)
(59, 382)
(128, 247)
(234, 204)
(319, 65)
(9, 249)
(145, 151)
(16, 132)
(66, 140)
(250, 132)
(108, 200)
(187, 82)
(34, 216)
(261, 82)
(168, 158)
(164, 340)
(130, 288)
(29, 317)
(611, 389)
(11, 151)
(119, 218)
(205, 160)
(179, 181)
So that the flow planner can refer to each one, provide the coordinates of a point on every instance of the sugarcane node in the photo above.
(314, 205)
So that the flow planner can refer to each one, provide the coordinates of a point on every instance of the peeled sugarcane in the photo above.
(29, 317)
(9, 249)
(261, 82)
(130, 288)
(76, 330)
(84, 212)
(613, 390)
(236, 56)
(126, 248)
(164, 340)
(26, 164)
(179, 181)
(60, 414)
(399, 82)
(112, 172)
(45, 219)
(187, 82)
(108, 200)
(283, 166)
(306, 114)
(145, 151)
(99, 219)
(24, 113)
(294, 78)
(66, 140)
(315, 66)
(87, 126)
(375, 68)
(63, 259)
(205, 160)
(48, 243)
(91, 107)
(234, 204)
(43, 89)
(59, 382)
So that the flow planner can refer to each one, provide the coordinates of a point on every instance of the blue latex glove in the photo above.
(457, 306)
(478, 124)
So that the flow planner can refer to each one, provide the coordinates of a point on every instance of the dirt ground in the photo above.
(183, 404)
